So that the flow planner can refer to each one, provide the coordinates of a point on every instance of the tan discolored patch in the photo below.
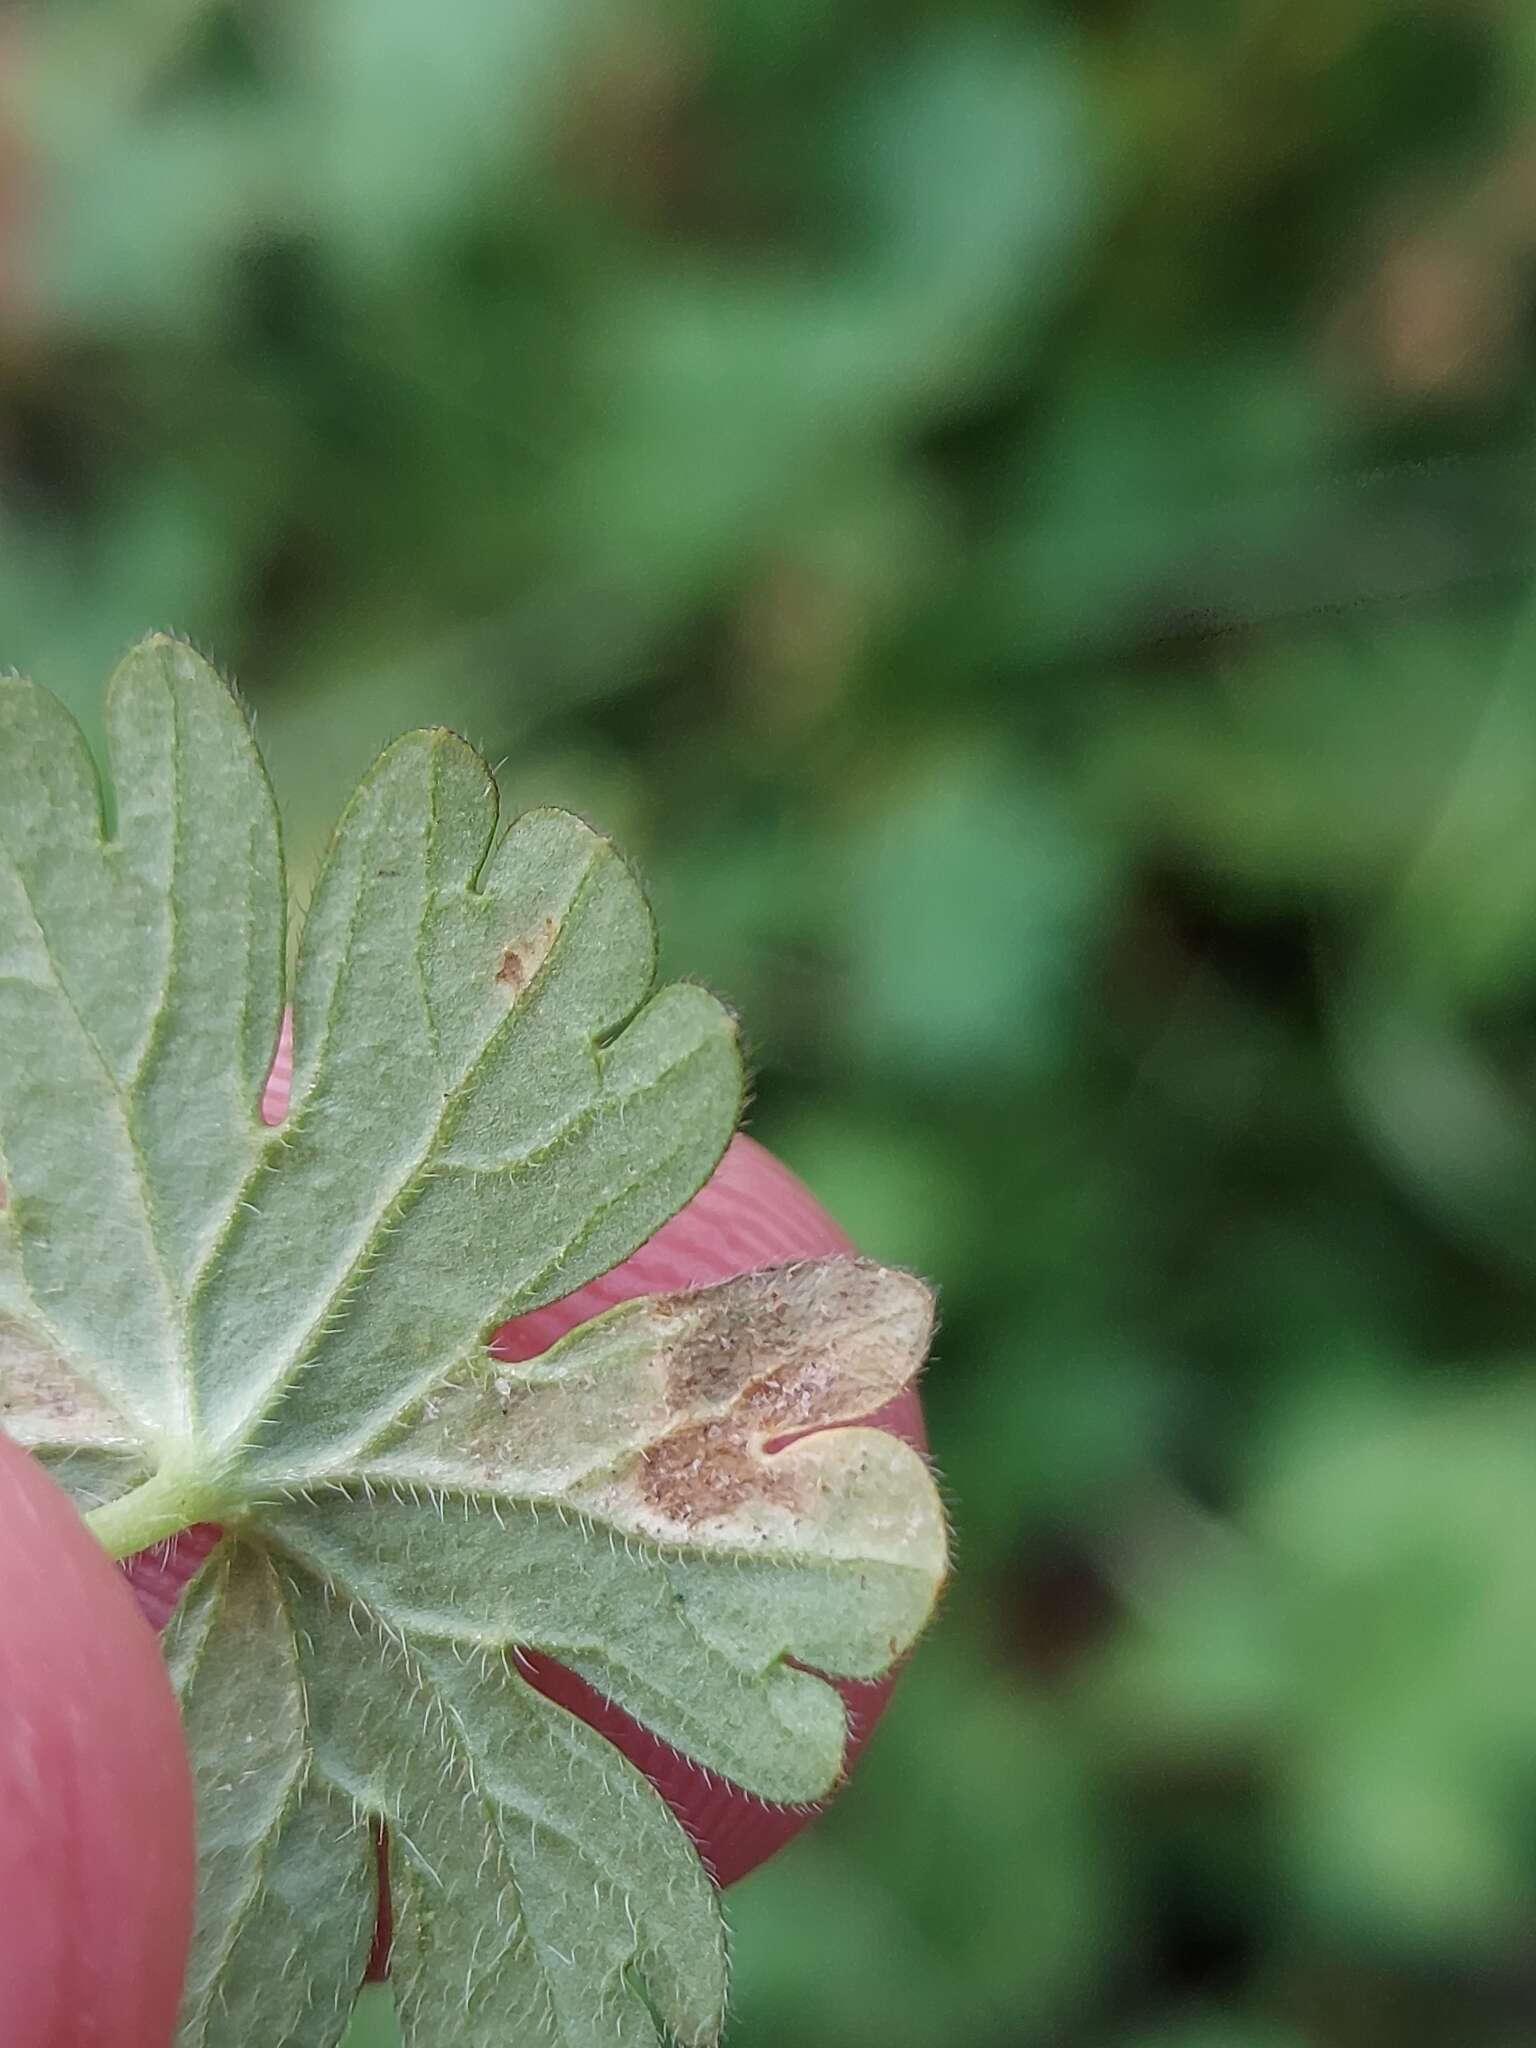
(704, 1367)
(710, 1417)
(521, 962)
(797, 1347)
(708, 1472)
(43, 1403)
(753, 1362)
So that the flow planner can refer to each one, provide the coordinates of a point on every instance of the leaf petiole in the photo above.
(171, 1500)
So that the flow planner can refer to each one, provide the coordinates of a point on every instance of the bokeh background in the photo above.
(1021, 518)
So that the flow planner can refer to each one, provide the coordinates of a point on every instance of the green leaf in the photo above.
(286, 1881)
(140, 998)
(588, 1907)
(202, 1318)
(699, 1560)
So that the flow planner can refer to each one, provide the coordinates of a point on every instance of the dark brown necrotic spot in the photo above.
(707, 1472)
(522, 961)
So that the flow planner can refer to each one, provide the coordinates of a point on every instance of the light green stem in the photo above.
(164, 1505)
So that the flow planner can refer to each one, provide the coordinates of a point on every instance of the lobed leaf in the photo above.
(525, 1143)
(541, 1888)
(287, 1891)
(140, 998)
(285, 1331)
(704, 1558)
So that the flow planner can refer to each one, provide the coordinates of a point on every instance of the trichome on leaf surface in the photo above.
(204, 1319)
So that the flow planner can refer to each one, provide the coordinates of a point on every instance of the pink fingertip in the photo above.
(96, 1830)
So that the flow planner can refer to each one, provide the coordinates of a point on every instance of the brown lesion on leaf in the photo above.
(43, 1402)
(677, 1415)
(827, 1341)
(521, 962)
(705, 1366)
(769, 1357)
(708, 1471)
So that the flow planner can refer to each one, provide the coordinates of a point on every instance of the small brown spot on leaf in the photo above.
(522, 961)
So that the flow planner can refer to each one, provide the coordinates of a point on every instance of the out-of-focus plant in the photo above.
(1020, 516)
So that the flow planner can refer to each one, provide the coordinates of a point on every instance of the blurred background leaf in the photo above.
(1018, 513)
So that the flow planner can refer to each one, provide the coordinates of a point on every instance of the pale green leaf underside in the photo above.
(541, 1889)
(286, 1892)
(285, 1331)
(613, 1503)
(140, 997)
(487, 1109)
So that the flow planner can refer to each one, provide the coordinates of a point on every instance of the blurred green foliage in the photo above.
(1021, 517)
